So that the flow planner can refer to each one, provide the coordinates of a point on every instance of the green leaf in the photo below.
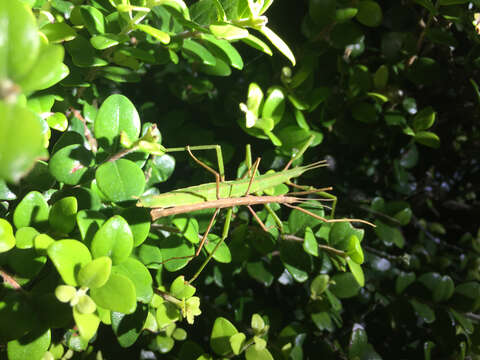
(188, 227)
(89, 222)
(258, 44)
(24, 237)
(293, 138)
(69, 256)
(424, 311)
(354, 249)
(296, 261)
(403, 281)
(96, 273)
(59, 32)
(87, 324)
(428, 138)
(139, 220)
(257, 323)
(389, 234)
(167, 313)
(160, 168)
(228, 31)
(93, 19)
(253, 354)
(140, 277)
(298, 221)
(116, 115)
(364, 112)
(310, 244)
(380, 78)
(451, 2)
(17, 316)
(127, 328)
(22, 140)
(31, 211)
(344, 285)
(278, 43)
(118, 294)
(7, 240)
(83, 54)
(236, 342)
(70, 164)
(199, 51)
(319, 285)
(220, 336)
(274, 105)
(62, 216)
(424, 119)
(176, 247)
(222, 254)
(105, 41)
(357, 271)
(257, 271)
(182, 289)
(442, 287)
(345, 14)
(322, 12)
(114, 239)
(235, 60)
(57, 121)
(369, 13)
(120, 180)
(31, 346)
(48, 69)
(161, 36)
(20, 44)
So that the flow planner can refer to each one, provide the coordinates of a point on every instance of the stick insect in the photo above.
(227, 194)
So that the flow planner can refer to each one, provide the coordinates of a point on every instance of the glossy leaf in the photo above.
(62, 216)
(220, 337)
(167, 313)
(139, 221)
(278, 43)
(235, 60)
(140, 277)
(182, 289)
(31, 346)
(58, 32)
(253, 354)
(344, 285)
(296, 261)
(96, 273)
(127, 328)
(7, 240)
(70, 164)
(258, 271)
(199, 51)
(427, 138)
(69, 256)
(114, 239)
(319, 285)
(24, 236)
(228, 32)
(369, 13)
(161, 36)
(31, 211)
(93, 19)
(120, 180)
(87, 324)
(118, 294)
(176, 247)
(310, 244)
(222, 253)
(357, 271)
(441, 287)
(188, 227)
(389, 234)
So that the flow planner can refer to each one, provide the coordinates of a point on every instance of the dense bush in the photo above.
(98, 97)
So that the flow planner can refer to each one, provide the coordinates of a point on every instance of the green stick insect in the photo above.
(227, 194)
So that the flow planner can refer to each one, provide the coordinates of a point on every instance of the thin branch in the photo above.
(323, 247)
(88, 134)
(10, 280)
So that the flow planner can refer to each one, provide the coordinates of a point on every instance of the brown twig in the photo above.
(10, 280)
(88, 134)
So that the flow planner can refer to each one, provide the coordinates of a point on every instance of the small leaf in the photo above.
(222, 253)
(424, 119)
(69, 256)
(31, 346)
(167, 313)
(62, 216)
(161, 36)
(220, 336)
(258, 272)
(369, 13)
(121, 180)
(176, 247)
(117, 114)
(258, 44)
(257, 323)
(344, 285)
(389, 234)
(228, 32)
(70, 164)
(182, 289)
(310, 244)
(58, 32)
(205, 56)
(252, 353)
(140, 277)
(278, 43)
(87, 324)
(118, 294)
(403, 281)
(96, 273)
(7, 240)
(31, 211)
(296, 261)
(114, 239)
(427, 138)
(188, 226)
(357, 271)
(93, 19)
(236, 342)
(24, 236)
(319, 285)
(127, 328)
